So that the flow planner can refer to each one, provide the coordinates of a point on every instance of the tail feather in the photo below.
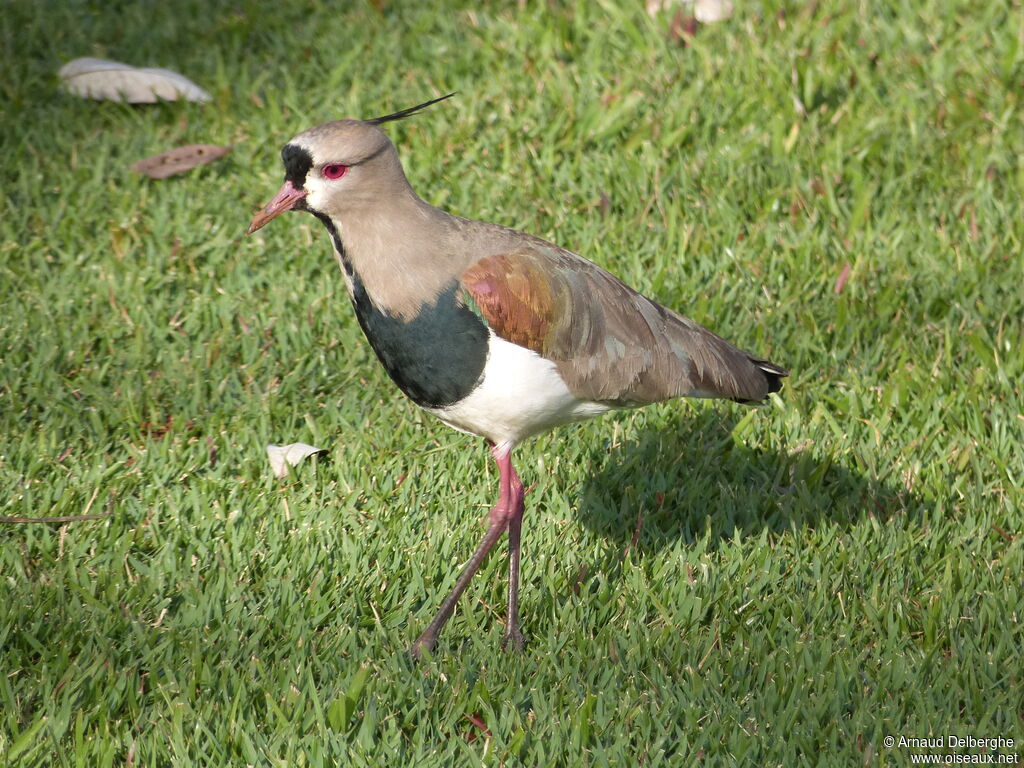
(773, 375)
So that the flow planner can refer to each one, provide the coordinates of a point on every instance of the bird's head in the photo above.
(337, 165)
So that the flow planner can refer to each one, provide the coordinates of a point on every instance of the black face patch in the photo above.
(438, 357)
(297, 162)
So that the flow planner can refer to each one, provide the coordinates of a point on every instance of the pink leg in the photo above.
(515, 525)
(506, 514)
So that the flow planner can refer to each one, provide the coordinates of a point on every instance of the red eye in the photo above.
(334, 171)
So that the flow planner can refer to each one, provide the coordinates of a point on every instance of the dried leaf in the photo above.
(59, 519)
(113, 81)
(711, 11)
(702, 11)
(681, 27)
(844, 275)
(179, 160)
(284, 456)
(477, 720)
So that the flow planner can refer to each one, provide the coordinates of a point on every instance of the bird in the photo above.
(496, 332)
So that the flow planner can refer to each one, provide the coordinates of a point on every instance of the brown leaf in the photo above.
(682, 27)
(581, 574)
(179, 160)
(477, 721)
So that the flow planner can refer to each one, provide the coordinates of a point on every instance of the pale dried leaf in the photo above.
(704, 11)
(179, 160)
(284, 456)
(113, 81)
(711, 11)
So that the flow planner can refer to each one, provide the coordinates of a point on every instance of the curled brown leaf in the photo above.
(179, 160)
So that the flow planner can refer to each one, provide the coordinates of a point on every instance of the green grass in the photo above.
(703, 583)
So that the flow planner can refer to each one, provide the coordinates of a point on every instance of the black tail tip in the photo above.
(773, 374)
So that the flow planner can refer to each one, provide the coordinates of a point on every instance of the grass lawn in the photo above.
(702, 583)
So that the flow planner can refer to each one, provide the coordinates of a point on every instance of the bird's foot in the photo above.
(513, 640)
(424, 643)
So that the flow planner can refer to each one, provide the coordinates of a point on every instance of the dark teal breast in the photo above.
(437, 357)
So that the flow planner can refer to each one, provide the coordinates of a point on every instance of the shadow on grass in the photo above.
(698, 480)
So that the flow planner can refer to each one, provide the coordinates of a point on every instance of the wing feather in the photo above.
(610, 344)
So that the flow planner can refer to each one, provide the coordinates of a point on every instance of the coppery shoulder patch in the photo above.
(518, 297)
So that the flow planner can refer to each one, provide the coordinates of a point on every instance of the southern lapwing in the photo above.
(497, 333)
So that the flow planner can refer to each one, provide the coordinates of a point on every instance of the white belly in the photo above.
(520, 395)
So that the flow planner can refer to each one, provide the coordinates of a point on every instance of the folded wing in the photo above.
(610, 344)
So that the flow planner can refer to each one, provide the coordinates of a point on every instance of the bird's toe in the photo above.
(423, 645)
(513, 641)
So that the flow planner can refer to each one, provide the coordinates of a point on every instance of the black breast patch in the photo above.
(438, 357)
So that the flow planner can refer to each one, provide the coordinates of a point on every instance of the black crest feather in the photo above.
(408, 112)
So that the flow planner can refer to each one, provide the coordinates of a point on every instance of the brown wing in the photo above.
(610, 344)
